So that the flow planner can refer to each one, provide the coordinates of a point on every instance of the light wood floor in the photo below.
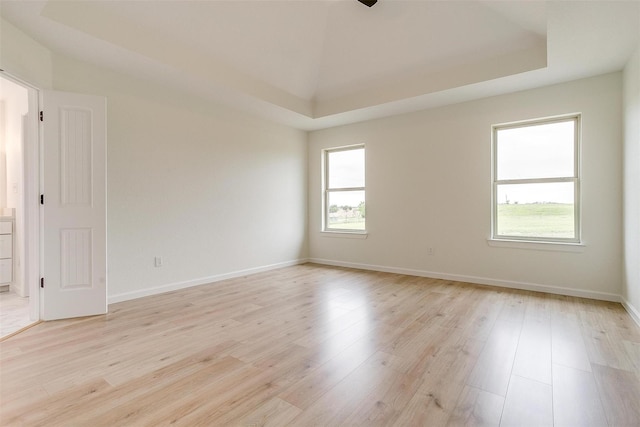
(14, 313)
(312, 345)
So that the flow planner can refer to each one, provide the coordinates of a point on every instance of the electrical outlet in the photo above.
(430, 251)
(158, 261)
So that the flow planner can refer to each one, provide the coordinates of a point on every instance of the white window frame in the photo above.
(327, 190)
(575, 179)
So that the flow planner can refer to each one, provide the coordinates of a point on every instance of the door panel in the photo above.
(74, 211)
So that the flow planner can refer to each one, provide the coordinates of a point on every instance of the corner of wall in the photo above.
(631, 184)
(307, 245)
(633, 312)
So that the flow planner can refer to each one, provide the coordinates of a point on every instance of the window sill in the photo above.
(543, 246)
(345, 234)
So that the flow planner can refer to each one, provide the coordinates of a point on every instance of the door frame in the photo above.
(32, 147)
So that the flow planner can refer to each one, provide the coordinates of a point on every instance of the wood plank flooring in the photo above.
(314, 345)
(14, 313)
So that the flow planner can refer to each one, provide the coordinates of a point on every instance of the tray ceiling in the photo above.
(319, 63)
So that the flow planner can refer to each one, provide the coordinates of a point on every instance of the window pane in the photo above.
(536, 210)
(346, 168)
(537, 151)
(346, 210)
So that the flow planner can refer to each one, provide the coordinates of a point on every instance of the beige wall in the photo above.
(428, 185)
(210, 190)
(631, 291)
(23, 57)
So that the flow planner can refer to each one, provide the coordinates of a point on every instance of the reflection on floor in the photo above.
(313, 345)
(14, 313)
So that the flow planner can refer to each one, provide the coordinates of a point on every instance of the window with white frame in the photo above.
(344, 189)
(536, 185)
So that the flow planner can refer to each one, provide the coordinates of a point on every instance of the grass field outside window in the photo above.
(548, 220)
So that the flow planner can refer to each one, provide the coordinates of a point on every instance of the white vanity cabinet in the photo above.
(6, 252)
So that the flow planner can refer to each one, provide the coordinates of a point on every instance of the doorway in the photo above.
(19, 269)
(62, 250)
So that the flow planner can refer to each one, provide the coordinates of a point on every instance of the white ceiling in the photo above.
(319, 63)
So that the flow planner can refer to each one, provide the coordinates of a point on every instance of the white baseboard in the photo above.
(126, 296)
(477, 280)
(633, 312)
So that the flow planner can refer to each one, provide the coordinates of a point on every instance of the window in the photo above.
(535, 181)
(344, 189)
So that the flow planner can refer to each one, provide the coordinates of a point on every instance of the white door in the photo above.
(74, 259)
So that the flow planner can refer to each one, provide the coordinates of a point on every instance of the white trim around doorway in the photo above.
(31, 176)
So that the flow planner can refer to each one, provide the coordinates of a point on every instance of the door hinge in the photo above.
(42, 282)
(42, 116)
(42, 199)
